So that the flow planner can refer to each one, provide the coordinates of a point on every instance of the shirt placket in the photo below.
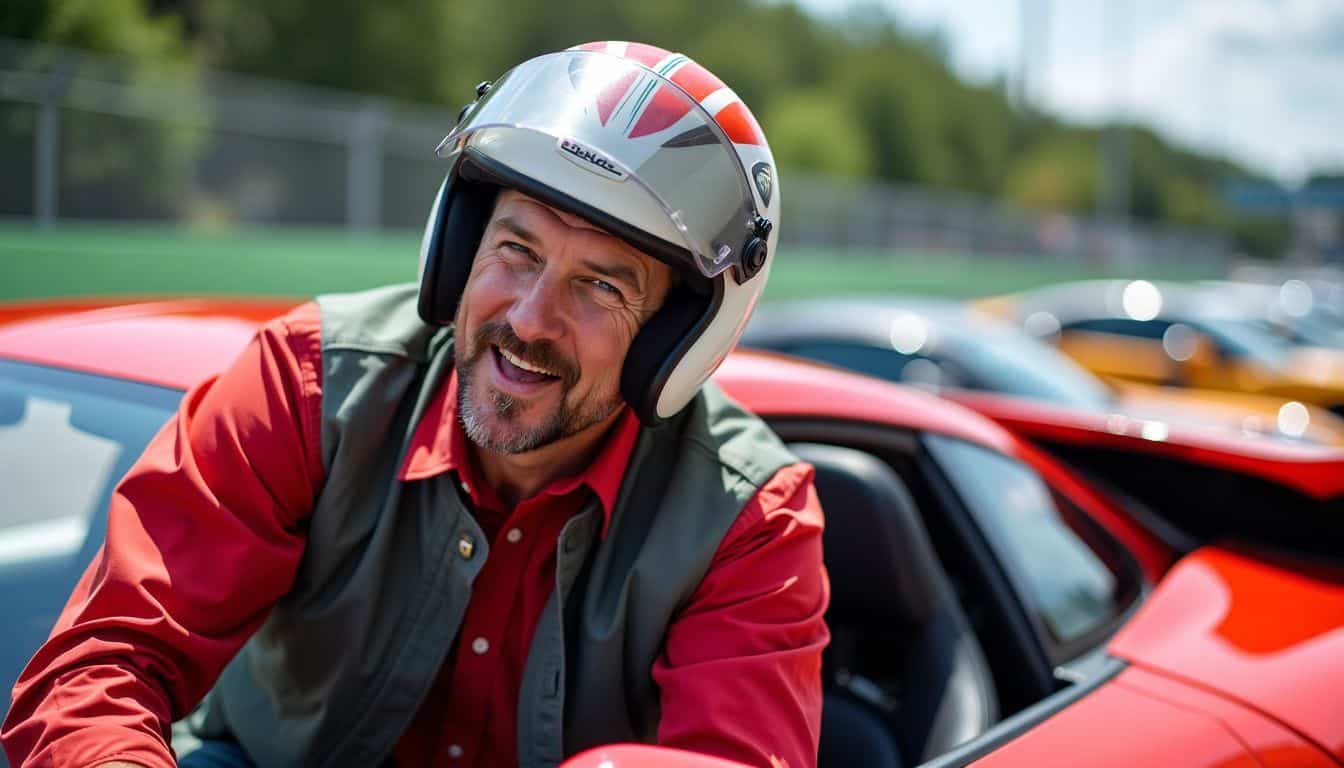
(490, 616)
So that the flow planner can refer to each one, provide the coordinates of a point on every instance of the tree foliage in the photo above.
(117, 164)
(857, 96)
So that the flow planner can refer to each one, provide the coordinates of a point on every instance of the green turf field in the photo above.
(74, 260)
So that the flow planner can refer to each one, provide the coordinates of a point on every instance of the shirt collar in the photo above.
(439, 445)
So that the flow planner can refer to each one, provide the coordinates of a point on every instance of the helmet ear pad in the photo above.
(454, 236)
(663, 340)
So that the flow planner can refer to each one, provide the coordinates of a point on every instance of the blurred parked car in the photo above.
(988, 604)
(1173, 334)
(988, 364)
(1293, 310)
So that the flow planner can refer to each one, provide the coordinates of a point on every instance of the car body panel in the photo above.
(1275, 745)
(643, 756)
(1099, 731)
(1112, 356)
(1180, 725)
(804, 390)
(1253, 631)
(177, 343)
(1316, 471)
(1229, 411)
(1312, 375)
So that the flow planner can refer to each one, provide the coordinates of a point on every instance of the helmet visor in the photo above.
(633, 132)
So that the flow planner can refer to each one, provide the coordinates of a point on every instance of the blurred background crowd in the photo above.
(959, 149)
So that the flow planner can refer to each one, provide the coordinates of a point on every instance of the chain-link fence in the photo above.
(85, 137)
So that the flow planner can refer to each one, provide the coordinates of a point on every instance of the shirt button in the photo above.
(514, 535)
(466, 546)
(479, 646)
(454, 751)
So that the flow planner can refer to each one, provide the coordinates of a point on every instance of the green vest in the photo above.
(336, 673)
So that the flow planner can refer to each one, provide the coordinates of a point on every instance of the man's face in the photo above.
(546, 319)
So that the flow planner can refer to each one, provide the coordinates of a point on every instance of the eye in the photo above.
(605, 287)
(518, 248)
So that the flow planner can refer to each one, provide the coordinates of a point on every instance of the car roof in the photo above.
(176, 343)
(864, 318)
(1107, 298)
(171, 343)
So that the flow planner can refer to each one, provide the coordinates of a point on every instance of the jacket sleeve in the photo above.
(203, 536)
(740, 676)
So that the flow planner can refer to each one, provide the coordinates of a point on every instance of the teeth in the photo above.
(518, 361)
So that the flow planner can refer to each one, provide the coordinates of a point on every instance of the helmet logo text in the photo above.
(590, 160)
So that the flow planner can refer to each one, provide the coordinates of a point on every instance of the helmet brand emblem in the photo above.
(765, 180)
(590, 159)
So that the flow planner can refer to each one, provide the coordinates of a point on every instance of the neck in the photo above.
(521, 476)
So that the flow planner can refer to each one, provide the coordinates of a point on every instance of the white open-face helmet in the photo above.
(651, 147)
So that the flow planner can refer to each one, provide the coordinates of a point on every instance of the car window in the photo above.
(1072, 587)
(1016, 364)
(65, 440)
(1245, 338)
(890, 364)
(1121, 326)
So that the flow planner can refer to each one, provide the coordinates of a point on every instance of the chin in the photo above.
(494, 429)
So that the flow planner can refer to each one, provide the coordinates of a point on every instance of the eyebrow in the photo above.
(512, 225)
(619, 272)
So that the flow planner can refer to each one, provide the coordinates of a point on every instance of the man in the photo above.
(492, 519)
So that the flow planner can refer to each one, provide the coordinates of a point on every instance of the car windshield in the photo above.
(1016, 364)
(66, 438)
(1065, 581)
(1247, 338)
(1314, 330)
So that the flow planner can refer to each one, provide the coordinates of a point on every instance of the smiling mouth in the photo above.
(520, 371)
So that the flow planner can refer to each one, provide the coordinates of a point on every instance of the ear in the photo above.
(451, 239)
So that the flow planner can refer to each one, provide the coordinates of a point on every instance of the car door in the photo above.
(1122, 348)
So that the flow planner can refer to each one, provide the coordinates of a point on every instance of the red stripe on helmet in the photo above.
(648, 55)
(598, 46)
(610, 97)
(741, 127)
(696, 80)
(665, 108)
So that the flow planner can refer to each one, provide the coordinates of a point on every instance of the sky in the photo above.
(1261, 81)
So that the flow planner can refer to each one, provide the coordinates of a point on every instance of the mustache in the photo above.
(539, 353)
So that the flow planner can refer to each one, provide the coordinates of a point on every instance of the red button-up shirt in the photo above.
(173, 595)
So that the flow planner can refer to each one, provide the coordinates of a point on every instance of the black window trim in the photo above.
(1115, 556)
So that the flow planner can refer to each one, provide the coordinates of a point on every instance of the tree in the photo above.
(110, 164)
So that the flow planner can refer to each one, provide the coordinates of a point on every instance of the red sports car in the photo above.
(989, 605)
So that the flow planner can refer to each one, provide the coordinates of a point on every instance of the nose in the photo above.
(535, 314)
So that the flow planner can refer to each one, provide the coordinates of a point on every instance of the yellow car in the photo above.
(1173, 335)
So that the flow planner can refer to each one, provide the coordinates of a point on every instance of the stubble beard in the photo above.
(492, 419)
